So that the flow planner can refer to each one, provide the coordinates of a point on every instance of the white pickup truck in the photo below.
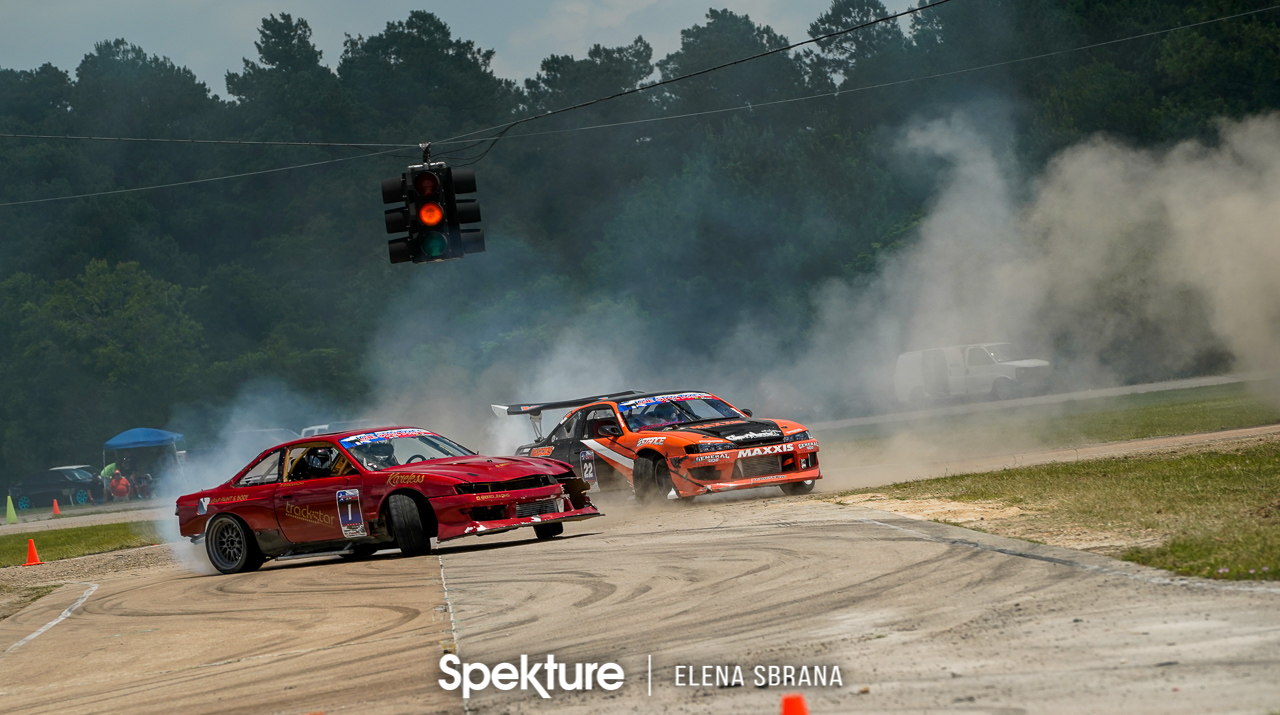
(994, 369)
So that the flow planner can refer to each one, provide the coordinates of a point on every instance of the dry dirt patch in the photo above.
(1011, 521)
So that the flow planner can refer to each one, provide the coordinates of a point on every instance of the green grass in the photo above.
(1156, 414)
(57, 544)
(1216, 513)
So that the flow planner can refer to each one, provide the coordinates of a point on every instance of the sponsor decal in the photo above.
(720, 424)
(349, 516)
(714, 457)
(482, 497)
(541, 452)
(762, 434)
(396, 479)
(224, 500)
(542, 678)
(651, 440)
(767, 449)
(202, 507)
(762, 676)
(383, 436)
(807, 446)
(588, 464)
(645, 401)
(306, 513)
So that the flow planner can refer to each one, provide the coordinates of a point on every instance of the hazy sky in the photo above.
(212, 37)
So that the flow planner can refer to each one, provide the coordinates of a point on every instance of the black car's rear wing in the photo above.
(534, 409)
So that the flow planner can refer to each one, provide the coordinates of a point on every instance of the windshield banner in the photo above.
(646, 401)
(359, 439)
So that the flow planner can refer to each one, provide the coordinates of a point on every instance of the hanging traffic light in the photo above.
(427, 225)
(432, 214)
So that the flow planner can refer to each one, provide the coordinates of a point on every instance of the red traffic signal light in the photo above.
(430, 214)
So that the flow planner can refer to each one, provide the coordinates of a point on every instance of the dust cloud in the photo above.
(1120, 265)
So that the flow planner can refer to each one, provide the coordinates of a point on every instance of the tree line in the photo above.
(116, 310)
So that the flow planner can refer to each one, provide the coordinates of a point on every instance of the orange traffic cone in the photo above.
(33, 559)
(55, 508)
(793, 704)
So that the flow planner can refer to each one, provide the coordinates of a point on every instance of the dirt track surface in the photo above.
(296, 637)
(926, 617)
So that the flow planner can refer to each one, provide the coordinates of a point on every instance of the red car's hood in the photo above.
(480, 469)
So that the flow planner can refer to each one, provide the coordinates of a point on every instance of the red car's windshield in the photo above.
(650, 413)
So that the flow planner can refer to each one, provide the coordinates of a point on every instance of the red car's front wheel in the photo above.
(406, 524)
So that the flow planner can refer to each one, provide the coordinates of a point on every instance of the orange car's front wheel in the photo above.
(651, 480)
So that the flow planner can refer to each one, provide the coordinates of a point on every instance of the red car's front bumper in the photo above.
(489, 513)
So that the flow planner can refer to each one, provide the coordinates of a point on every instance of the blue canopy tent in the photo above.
(141, 437)
(163, 453)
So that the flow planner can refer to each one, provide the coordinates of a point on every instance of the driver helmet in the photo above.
(664, 413)
(320, 459)
(382, 453)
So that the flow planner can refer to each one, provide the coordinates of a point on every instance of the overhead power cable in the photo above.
(199, 181)
(853, 90)
(507, 126)
(360, 145)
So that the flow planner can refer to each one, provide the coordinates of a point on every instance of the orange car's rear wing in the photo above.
(534, 409)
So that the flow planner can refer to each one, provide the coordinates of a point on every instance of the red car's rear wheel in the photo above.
(230, 546)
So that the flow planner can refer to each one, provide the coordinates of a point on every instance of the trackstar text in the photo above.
(506, 676)
(762, 676)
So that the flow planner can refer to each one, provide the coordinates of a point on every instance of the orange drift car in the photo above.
(673, 444)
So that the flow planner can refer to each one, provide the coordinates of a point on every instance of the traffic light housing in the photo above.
(464, 211)
(432, 214)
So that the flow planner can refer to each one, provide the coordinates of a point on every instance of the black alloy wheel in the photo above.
(230, 546)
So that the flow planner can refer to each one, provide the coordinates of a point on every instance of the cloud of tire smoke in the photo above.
(1119, 264)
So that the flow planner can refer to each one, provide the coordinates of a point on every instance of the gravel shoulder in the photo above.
(1041, 525)
(21, 585)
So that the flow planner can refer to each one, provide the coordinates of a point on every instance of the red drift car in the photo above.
(353, 493)
(673, 444)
